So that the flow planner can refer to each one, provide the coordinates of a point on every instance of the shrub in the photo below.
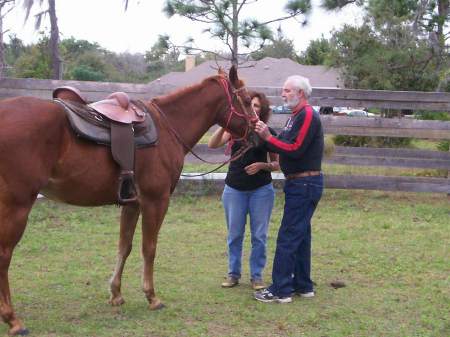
(366, 141)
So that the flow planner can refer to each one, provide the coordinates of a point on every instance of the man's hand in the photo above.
(262, 130)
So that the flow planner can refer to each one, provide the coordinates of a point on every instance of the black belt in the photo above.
(302, 174)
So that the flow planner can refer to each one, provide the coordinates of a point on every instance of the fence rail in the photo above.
(390, 127)
(358, 156)
(214, 182)
(411, 100)
(384, 157)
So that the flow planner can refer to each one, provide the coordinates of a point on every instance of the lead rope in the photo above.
(237, 155)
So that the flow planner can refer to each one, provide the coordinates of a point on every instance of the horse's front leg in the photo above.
(13, 219)
(128, 221)
(153, 213)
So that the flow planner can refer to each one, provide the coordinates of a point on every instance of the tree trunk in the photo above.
(54, 42)
(441, 59)
(234, 52)
(443, 8)
(2, 46)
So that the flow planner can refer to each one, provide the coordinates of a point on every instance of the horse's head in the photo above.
(238, 115)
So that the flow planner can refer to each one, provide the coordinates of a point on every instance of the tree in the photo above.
(384, 59)
(163, 57)
(128, 67)
(14, 48)
(54, 32)
(280, 47)
(35, 62)
(316, 53)
(4, 4)
(424, 22)
(226, 24)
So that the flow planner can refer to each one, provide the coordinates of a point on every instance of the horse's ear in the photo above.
(233, 76)
(221, 72)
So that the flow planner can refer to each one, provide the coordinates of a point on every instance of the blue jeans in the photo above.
(292, 263)
(258, 204)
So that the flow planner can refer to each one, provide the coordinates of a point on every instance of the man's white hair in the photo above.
(300, 83)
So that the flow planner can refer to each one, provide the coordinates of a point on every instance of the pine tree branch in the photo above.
(280, 19)
(193, 17)
(336, 4)
(221, 21)
(4, 2)
(240, 6)
(6, 13)
(202, 51)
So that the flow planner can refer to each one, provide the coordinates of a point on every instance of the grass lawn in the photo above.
(391, 250)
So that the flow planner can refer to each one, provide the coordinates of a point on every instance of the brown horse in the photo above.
(40, 153)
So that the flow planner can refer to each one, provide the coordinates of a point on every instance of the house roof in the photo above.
(268, 72)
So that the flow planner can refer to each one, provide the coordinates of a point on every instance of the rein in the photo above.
(233, 110)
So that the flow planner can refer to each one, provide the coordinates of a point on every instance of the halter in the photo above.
(250, 119)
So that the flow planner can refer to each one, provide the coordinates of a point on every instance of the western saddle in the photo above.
(122, 116)
(117, 106)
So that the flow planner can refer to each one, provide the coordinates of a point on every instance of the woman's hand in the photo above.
(219, 138)
(254, 168)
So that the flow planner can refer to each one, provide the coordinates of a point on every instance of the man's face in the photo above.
(291, 97)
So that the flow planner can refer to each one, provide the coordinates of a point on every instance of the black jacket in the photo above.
(301, 142)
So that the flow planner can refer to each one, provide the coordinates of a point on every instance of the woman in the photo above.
(248, 190)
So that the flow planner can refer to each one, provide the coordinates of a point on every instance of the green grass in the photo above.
(391, 249)
(425, 144)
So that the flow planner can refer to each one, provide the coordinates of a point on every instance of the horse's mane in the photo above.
(182, 91)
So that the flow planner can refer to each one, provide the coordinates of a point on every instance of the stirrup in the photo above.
(127, 190)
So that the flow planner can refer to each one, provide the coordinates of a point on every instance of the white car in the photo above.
(356, 113)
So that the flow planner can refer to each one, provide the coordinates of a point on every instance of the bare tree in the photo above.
(54, 32)
(8, 6)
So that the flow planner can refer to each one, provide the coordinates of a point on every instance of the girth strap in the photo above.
(122, 150)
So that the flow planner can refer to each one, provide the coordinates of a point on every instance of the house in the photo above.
(268, 72)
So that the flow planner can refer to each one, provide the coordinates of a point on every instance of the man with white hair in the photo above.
(300, 146)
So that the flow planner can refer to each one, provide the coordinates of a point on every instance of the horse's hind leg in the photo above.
(153, 213)
(128, 220)
(13, 220)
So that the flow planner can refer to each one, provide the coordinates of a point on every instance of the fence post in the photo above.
(448, 177)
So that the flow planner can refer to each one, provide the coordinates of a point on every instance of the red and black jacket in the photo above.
(301, 142)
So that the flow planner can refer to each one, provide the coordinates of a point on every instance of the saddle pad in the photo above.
(89, 125)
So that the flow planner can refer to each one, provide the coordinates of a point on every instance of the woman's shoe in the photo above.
(230, 282)
(258, 285)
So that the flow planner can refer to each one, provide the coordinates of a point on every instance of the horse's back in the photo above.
(30, 138)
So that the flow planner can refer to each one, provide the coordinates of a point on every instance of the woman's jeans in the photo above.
(258, 204)
(292, 263)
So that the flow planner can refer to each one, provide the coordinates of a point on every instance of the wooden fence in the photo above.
(336, 125)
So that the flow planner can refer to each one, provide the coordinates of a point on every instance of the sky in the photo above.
(137, 29)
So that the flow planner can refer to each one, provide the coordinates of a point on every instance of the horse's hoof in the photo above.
(117, 301)
(19, 332)
(157, 306)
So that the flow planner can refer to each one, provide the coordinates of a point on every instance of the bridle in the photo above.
(232, 111)
(227, 86)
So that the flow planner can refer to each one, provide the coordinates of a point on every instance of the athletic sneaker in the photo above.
(267, 297)
(309, 294)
